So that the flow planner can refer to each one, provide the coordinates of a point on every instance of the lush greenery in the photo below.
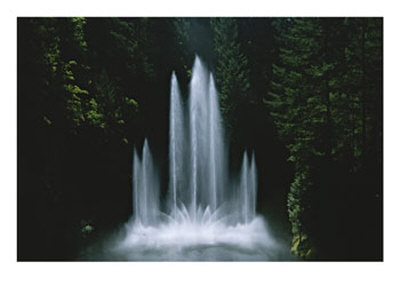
(304, 93)
(326, 101)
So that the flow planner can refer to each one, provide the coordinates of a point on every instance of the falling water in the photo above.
(205, 205)
(217, 154)
(176, 152)
(206, 187)
(199, 134)
(244, 185)
(146, 188)
(135, 184)
(253, 187)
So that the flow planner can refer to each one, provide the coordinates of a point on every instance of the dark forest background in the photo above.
(305, 93)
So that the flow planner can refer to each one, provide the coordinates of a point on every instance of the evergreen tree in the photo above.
(319, 103)
(231, 64)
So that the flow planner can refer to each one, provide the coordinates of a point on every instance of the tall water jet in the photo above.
(198, 109)
(213, 165)
(135, 185)
(216, 149)
(146, 188)
(206, 208)
(253, 186)
(248, 188)
(198, 178)
(244, 188)
(176, 146)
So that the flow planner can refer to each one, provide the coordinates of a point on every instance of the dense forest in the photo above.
(306, 94)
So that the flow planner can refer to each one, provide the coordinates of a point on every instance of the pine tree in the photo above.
(319, 101)
(231, 64)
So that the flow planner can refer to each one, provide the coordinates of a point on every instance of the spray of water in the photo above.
(209, 212)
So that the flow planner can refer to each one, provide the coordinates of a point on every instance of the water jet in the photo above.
(210, 214)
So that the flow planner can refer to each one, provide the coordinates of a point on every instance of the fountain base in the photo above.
(186, 240)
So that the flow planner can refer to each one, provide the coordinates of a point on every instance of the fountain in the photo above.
(209, 214)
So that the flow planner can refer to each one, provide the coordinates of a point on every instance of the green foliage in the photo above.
(318, 101)
(95, 115)
(47, 120)
(301, 246)
(298, 204)
(79, 94)
(181, 29)
(231, 70)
